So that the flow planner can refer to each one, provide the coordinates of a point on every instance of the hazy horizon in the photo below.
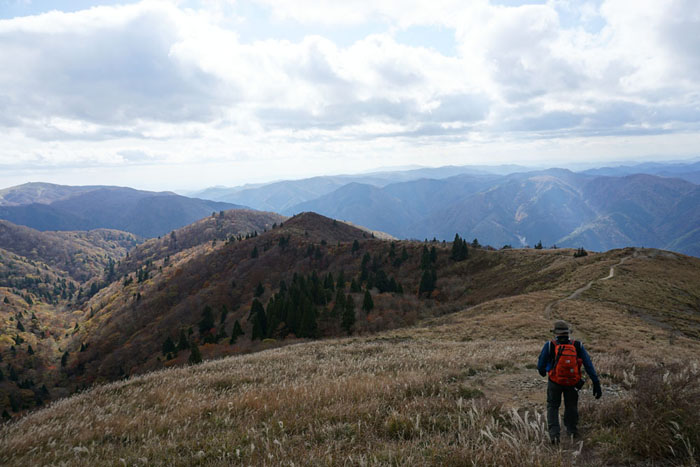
(80, 180)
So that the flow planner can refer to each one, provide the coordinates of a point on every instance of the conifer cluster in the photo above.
(460, 251)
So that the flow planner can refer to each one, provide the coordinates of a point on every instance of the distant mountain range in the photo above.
(554, 206)
(652, 204)
(689, 172)
(282, 196)
(44, 206)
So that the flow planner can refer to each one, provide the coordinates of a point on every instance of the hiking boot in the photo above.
(555, 439)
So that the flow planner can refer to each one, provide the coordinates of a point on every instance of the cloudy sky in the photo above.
(184, 94)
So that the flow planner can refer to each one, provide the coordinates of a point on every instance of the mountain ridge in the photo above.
(554, 206)
(144, 213)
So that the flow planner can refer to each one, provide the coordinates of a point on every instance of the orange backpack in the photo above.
(567, 366)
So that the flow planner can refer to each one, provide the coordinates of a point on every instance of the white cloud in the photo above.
(156, 81)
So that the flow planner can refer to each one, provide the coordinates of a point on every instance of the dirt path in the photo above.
(578, 292)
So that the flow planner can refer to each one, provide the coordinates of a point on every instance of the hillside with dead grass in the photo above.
(128, 321)
(458, 389)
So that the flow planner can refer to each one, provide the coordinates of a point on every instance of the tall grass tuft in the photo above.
(658, 420)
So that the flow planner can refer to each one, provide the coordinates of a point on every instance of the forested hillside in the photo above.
(47, 280)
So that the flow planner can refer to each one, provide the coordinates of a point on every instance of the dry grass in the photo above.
(411, 397)
(372, 401)
(456, 390)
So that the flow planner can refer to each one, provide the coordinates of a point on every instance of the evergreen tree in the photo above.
(425, 260)
(381, 282)
(2, 376)
(224, 314)
(329, 283)
(339, 304)
(236, 332)
(14, 403)
(254, 253)
(349, 318)
(13, 374)
(459, 249)
(308, 327)
(340, 282)
(183, 342)
(364, 267)
(257, 312)
(207, 321)
(427, 282)
(20, 327)
(355, 246)
(259, 290)
(354, 286)
(369, 284)
(539, 245)
(475, 243)
(401, 259)
(433, 255)
(6, 300)
(393, 285)
(64, 359)
(367, 303)
(195, 355)
(6, 415)
(168, 346)
(30, 351)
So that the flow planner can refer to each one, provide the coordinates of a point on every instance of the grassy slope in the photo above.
(452, 390)
(126, 332)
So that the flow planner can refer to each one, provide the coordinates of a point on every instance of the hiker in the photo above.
(561, 358)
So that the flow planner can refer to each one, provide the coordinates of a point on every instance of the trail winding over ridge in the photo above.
(578, 292)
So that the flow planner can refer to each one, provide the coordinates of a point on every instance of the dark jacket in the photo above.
(546, 360)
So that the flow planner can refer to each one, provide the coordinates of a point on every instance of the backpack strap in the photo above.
(552, 349)
(556, 358)
(577, 346)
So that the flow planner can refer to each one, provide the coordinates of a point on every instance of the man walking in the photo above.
(561, 359)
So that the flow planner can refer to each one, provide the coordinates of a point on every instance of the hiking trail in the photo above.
(579, 291)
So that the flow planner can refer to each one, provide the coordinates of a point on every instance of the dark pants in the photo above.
(554, 393)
